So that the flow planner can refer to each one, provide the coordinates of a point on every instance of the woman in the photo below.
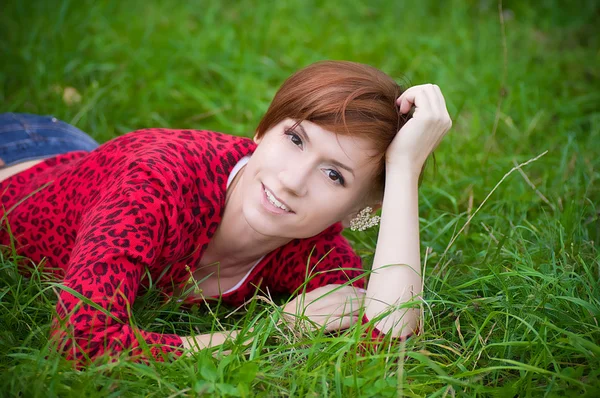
(230, 214)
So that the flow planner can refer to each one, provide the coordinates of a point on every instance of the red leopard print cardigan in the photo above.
(148, 201)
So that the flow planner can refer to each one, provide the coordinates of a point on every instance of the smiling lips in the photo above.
(273, 200)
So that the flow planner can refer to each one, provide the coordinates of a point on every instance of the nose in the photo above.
(294, 178)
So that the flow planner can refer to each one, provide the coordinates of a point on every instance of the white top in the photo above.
(241, 163)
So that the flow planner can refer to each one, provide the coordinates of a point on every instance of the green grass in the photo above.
(511, 309)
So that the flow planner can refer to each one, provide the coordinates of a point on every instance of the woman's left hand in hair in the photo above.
(423, 132)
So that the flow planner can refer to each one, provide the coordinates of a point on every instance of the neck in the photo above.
(235, 242)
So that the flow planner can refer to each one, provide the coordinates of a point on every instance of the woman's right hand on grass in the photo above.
(333, 307)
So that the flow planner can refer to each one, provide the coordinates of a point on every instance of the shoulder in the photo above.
(193, 156)
(182, 143)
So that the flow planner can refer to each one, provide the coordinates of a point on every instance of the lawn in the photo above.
(512, 266)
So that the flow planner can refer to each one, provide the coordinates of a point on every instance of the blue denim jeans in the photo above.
(26, 137)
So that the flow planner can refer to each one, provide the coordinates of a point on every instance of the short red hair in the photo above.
(344, 97)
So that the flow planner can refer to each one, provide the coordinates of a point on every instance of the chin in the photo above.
(266, 226)
(260, 223)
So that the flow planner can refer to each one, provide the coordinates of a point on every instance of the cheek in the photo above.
(270, 156)
(330, 205)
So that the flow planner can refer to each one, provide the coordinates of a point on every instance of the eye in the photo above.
(336, 177)
(295, 138)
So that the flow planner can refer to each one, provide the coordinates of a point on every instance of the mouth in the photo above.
(273, 203)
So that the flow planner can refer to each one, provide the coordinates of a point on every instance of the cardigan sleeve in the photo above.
(119, 237)
(306, 264)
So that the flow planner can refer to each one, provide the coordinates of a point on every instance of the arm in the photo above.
(397, 244)
(119, 237)
(396, 276)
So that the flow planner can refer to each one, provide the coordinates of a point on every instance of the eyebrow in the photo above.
(333, 161)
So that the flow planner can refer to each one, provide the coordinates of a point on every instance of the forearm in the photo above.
(396, 276)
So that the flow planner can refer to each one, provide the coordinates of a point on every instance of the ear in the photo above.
(376, 207)
(375, 202)
(256, 139)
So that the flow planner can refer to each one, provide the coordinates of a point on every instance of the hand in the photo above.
(209, 340)
(333, 306)
(423, 132)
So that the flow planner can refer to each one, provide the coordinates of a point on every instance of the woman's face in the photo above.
(302, 179)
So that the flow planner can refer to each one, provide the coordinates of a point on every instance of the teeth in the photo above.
(275, 201)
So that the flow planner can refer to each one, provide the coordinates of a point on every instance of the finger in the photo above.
(325, 295)
(358, 292)
(408, 92)
(329, 291)
(440, 97)
(337, 302)
(359, 298)
(349, 291)
(413, 96)
(432, 97)
(353, 304)
(323, 292)
(335, 288)
(442, 101)
(354, 297)
(341, 323)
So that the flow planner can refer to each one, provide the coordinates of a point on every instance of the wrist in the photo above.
(402, 173)
(403, 166)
